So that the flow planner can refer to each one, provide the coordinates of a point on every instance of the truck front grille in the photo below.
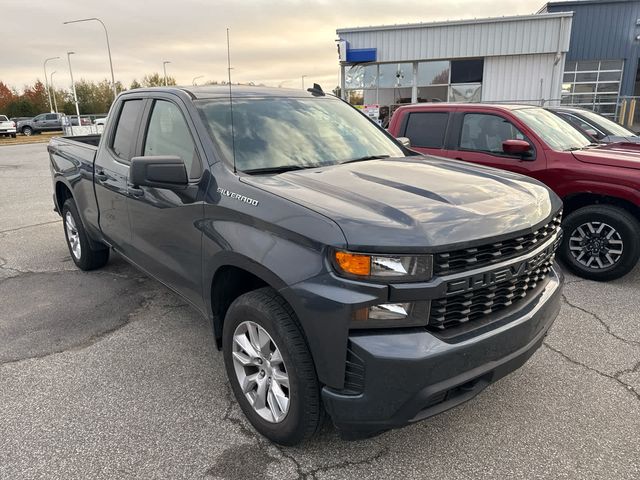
(484, 255)
(456, 309)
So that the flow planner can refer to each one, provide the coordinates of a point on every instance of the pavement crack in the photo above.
(615, 377)
(30, 226)
(601, 321)
(92, 340)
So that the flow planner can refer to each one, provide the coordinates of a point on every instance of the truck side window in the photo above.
(427, 129)
(486, 133)
(52, 116)
(168, 134)
(126, 130)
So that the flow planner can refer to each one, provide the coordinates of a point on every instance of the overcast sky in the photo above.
(272, 41)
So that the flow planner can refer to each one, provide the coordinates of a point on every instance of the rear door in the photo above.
(427, 131)
(477, 137)
(167, 237)
(112, 173)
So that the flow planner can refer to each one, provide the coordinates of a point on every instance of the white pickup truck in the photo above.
(7, 127)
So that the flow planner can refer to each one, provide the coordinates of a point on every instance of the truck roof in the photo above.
(495, 106)
(218, 91)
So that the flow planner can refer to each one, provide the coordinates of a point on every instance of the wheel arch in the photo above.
(575, 201)
(62, 193)
(233, 275)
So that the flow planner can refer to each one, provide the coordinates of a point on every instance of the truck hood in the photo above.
(614, 155)
(416, 204)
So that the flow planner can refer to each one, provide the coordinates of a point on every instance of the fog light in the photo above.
(389, 311)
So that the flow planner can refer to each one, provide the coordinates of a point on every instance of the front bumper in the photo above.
(410, 376)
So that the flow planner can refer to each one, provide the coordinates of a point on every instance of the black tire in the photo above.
(628, 231)
(270, 311)
(28, 131)
(90, 257)
(13, 135)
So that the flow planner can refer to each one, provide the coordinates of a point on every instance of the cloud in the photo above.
(273, 42)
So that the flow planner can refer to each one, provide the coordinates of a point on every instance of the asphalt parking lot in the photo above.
(109, 375)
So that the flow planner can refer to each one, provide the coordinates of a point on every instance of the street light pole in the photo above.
(53, 92)
(164, 67)
(193, 82)
(106, 34)
(73, 85)
(46, 81)
(303, 77)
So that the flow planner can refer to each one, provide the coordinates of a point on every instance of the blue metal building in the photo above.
(602, 61)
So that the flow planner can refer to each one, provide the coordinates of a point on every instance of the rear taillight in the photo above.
(13, 124)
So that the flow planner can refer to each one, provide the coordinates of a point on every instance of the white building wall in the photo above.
(522, 78)
(531, 34)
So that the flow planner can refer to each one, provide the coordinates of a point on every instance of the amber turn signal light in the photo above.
(353, 263)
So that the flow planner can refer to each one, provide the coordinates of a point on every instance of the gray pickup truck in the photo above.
(342, 273)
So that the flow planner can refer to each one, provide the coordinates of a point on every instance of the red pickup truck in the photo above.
(600, 187)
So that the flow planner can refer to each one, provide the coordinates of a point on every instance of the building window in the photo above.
(433, 73)
(593, 84)
(395, 75)
(467, 71)
(469, 92)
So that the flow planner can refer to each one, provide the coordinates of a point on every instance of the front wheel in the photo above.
(83, 253)
(600, 242)
(270, 368)
(28, 131)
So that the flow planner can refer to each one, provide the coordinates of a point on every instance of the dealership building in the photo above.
(574, 52)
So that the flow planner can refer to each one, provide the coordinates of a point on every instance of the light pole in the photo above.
(303, 77)
(53, 92)
(193, 82)
(164, 67)
(106, 34)
(73, 86)
(46, 81)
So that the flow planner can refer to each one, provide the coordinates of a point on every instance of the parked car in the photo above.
(45, 122)
(7, 127)
(100, 121)
(595, 126)
(600, 186)
(340, 271)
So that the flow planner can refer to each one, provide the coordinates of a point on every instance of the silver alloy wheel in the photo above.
(261, 371)
(73, 236)
(596, 245)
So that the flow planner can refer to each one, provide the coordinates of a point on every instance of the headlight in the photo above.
(396, 268)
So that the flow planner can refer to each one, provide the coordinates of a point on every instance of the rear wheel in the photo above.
(600, 242)
(84, 254)
(270, 368)
(13, 135)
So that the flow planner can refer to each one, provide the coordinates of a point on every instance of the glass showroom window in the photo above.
(361, 83)
(433, 81)
(466, 80)
(593, 84)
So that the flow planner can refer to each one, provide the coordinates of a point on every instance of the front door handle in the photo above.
(100, 175)
(135, 191)
(459, 158)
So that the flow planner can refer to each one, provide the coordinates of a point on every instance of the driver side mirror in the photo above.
(516, 147)
(404, 141)
(163, 171)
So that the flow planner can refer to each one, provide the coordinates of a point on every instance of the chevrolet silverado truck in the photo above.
(342, 273)
(7, 127)
(599, 184)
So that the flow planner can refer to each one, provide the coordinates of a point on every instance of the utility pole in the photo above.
(106, 34)
(303, 77)
(46, 81)
(73, 85)
(53, 92)
(164, 67)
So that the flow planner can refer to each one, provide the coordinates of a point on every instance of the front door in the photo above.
(165, 235)
(480, 141)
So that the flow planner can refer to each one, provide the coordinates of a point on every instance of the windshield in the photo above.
(604, 123)
(279, 132)
(554, 131)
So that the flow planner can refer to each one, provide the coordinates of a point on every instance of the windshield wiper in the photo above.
(278, 169)
(362, 159)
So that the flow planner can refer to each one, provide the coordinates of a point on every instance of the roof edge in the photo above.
(450, 23)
